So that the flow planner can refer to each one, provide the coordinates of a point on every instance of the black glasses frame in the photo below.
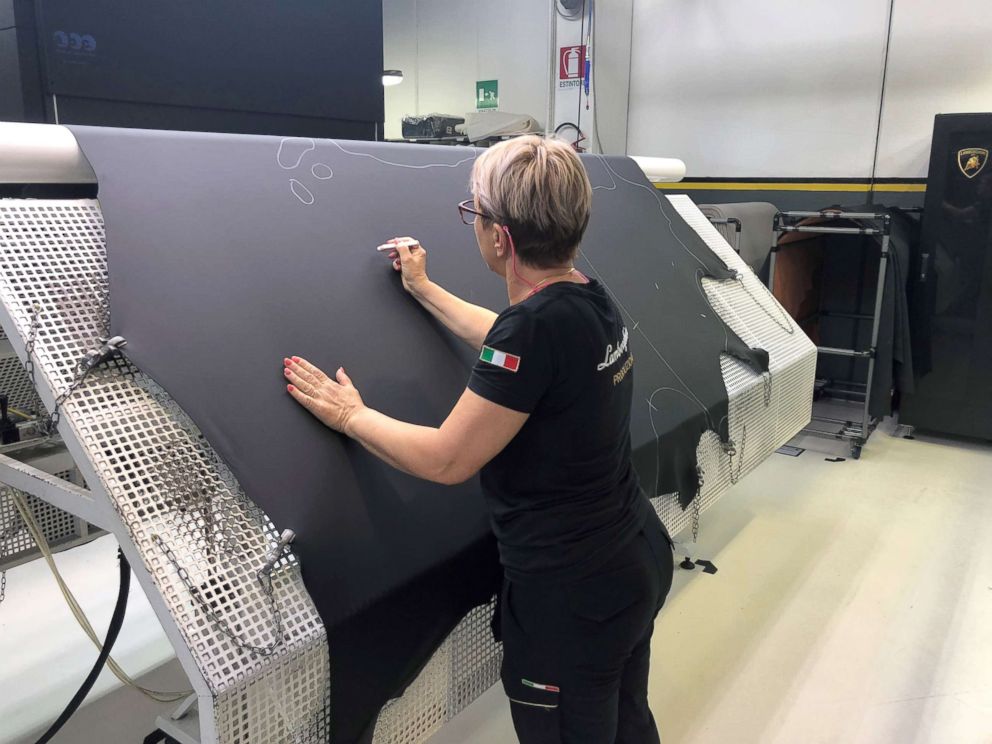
(466, 208)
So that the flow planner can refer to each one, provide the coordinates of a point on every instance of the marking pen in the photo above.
(393, 246)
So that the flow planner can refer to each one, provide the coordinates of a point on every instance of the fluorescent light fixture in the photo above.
(392, 77)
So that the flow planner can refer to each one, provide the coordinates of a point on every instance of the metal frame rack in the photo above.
(36, 448)
(870, 223)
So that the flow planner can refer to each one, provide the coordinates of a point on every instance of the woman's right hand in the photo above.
(411, 262)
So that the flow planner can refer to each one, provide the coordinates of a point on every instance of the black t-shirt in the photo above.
(563, 494)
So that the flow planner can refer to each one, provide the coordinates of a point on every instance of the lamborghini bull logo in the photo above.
(971, 160)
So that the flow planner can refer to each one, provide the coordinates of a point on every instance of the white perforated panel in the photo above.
(464, 667)
(16, 384)
(61, 529)
(15, 541)
(764, 411)
(166, 485)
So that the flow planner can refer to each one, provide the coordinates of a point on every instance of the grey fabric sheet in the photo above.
(229, 252)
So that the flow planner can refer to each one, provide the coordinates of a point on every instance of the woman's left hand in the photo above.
(334, 402)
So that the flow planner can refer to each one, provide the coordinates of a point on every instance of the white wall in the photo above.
(940, 61)
(776, 88)
(399, 52)
(736, 88)
(610, 53)
(758, 88)
(444, 46)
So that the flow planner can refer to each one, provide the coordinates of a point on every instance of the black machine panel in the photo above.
(17, 59)
(952, 291)
(11, 104)
(275, 66)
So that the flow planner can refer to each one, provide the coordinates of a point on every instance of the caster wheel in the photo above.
(856, 452)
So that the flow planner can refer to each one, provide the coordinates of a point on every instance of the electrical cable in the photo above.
(116, 621)
(573, 125)
(881, 101)
(579, 133)
(77, 611)
(582, 36)
(592, 74)
(630, 70)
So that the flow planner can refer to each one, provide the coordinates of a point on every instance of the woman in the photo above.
(546, 418)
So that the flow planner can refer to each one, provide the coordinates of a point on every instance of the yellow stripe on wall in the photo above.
(861, 188)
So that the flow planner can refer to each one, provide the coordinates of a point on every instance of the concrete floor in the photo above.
(44, 655)
(853, 605)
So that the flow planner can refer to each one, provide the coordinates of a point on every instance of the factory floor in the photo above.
(852, 605)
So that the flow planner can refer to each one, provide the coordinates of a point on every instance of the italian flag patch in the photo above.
(500, 358)
(537, 686)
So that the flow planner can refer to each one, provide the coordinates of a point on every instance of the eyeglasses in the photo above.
(468, 212)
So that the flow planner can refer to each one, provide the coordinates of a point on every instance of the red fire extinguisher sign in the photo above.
(571, 61)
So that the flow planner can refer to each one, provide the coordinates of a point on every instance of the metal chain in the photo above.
(30, 342)
(4, 536)
(179, 477)
(264, 581)
(86, 365)
(766, 379)
(7, 534)
(732, 451)
(50, 423)
(91, 361)
(787, 326)
(700, 479)
(3, 573)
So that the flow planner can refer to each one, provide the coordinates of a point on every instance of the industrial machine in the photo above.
(312, 69)
(214, 567)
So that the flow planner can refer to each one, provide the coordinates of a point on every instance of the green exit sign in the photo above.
(487, 95)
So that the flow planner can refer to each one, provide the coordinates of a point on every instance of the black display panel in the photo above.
(309, 58)
(952, 291)
(11, 100)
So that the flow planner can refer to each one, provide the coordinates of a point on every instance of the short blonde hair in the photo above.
(539, 189)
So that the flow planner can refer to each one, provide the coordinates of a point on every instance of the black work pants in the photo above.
(576, 655)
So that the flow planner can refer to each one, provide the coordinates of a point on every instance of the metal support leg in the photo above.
(883, 265)
(684, 549)
(53, 490)
(183, 724)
